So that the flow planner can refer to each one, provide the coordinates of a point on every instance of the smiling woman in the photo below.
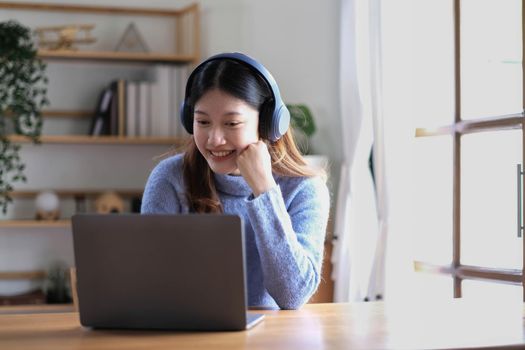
(242, 160)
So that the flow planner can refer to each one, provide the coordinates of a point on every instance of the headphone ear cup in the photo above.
(274, 121)
(186, 117)
(280, 121)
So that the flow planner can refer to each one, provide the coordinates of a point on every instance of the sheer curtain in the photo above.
(361, 220)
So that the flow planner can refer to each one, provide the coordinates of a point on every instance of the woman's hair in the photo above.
(240, 81)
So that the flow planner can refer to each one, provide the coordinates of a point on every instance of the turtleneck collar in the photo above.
(232, 185)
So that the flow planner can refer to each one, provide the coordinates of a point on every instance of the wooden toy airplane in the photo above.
(63, 37)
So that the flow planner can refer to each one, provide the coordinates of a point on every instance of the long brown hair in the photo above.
(239, 81)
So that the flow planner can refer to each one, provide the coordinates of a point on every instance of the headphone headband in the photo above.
(278, 122)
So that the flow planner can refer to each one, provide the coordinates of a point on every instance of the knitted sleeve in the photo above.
(160, 195)
(290, 241)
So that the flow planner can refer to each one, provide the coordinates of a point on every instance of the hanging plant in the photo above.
(23, 91)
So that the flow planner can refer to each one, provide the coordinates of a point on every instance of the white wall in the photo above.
(296, 40)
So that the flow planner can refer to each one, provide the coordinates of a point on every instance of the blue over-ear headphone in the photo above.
(274, 125)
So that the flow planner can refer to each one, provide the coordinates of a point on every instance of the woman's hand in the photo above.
(255, 165)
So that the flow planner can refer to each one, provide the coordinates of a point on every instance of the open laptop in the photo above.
(179, 272)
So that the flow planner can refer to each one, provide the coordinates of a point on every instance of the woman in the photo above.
(242, 160)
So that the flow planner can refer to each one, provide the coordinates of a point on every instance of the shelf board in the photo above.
(35, 224)
(116, 56)
(23, 275)
(36, 308)
(78, 192)
(103, 140)
(60, 113)
(111, 10)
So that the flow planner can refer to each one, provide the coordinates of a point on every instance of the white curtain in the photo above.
(361, 220)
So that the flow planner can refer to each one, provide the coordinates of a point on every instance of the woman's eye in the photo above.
(233, 124)
(202, 122)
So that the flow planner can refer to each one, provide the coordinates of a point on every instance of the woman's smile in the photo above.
(221, 155)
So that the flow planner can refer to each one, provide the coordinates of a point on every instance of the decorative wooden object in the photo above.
(132, 41)
(108, 203)
(63, 37)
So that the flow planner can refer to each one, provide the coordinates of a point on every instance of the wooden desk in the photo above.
(454, 324)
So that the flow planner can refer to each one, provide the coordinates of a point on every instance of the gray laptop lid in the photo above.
(160, 271)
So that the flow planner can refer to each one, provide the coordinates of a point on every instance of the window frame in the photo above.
(458, 128)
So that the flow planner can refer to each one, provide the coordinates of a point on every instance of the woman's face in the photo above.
(223, 126)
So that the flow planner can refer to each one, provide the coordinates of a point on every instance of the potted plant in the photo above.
(23, 92)
(303, 125)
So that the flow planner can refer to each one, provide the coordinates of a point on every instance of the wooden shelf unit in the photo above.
(183, 55)
(62, 223)
(186, 53)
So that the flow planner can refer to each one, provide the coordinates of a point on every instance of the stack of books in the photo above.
(142, 108)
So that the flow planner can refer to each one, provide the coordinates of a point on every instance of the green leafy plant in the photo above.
(303, 125)
(23, 92)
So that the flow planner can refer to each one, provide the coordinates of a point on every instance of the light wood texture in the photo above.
(78, 192)
(438, 325)
(523, 131)
(22, 275)
(462, 127)
(73, 281)
(35, 224)
(196, 38)
(60, 113)
(36, 309)
(103, 140)
(325, 292)
(96, 9)
(116, 56)
(511, 276)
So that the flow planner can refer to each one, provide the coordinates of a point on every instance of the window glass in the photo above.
(489, 199)
(491, 55)
(433, 199)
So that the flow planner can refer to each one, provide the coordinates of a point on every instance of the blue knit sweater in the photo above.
(284, 229)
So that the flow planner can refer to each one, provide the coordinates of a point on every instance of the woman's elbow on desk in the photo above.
(295, 297)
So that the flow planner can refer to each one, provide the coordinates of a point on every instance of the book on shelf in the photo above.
(154, 112)
(143, 108)
(161, 96)
(121, 107)
(117, 108)
(113, 110)
(131, 108)
(100, 122)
